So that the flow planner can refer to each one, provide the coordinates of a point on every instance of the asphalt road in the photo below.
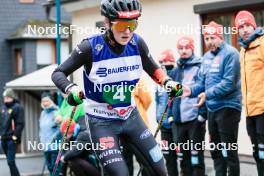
(33, 166)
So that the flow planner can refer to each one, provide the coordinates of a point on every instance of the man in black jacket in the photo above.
(11, 126)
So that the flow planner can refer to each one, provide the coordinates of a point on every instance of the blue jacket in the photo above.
(49, 132)
(219, 77)
(186, 73)
(161, 98)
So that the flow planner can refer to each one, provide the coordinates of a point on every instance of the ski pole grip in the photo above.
(81, 95)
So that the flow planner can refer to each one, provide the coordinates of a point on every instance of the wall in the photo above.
(12, 14)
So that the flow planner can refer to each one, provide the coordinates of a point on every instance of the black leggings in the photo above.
(223, 129)
(169, 155)
(255, 125)
(107, 133)
(191, 160)
(81, 167)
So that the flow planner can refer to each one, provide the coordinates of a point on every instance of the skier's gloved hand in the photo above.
(174, 88)
(75, 96)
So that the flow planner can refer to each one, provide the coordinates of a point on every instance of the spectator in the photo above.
(219, 87)
(167, 62)
(12, 124)
(251, 39)
(49, 133)
(188, 121)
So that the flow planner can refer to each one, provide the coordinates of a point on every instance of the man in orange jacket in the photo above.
(251, 40)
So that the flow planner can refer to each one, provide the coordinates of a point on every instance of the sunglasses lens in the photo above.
(121, 26)
(133, 25)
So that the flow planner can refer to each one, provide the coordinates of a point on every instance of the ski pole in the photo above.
(52, 140)
(63, 141)
(164, 114)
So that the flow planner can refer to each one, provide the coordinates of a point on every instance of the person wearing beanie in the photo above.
(11, 127)
(214, 28)
(245, 17)
(251, 39)
(167, 62)
(188, 122)
(49, 133)
(219, 87)
(9, 93)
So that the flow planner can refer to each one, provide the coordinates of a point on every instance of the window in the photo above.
(18, 62)
(45, 52)
(228, 20)
(26, 1)
(259, 16)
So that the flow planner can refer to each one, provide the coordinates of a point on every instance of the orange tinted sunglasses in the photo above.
(121, 26)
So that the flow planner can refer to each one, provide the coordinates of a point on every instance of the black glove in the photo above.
(174, 88)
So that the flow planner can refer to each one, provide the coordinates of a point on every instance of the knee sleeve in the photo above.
(180, 156)
(224, 153)
(261, 151)
(194, 158)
